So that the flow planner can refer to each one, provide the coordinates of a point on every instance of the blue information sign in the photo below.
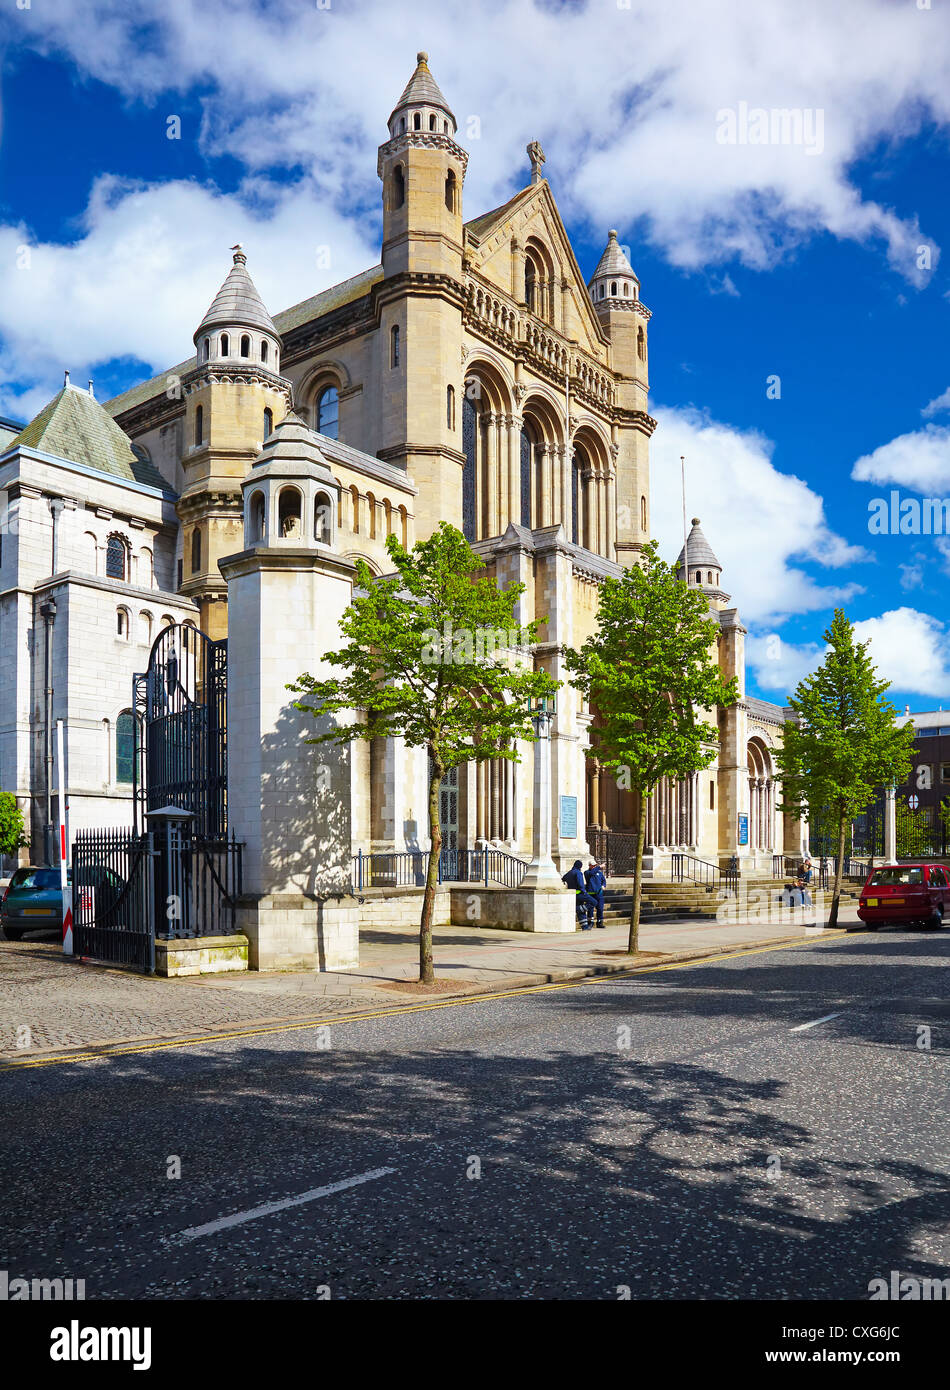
(569, 817)
(743, 828)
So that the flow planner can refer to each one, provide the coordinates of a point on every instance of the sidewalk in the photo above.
(65, 1004)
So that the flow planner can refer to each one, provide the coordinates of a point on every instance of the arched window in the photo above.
(289, 507)
(626, 290)
(245, 345)
(328, 412)
(451, 187)
(263, 349)
(613, 287)
(641, 345)
(117, 554)
(402, 125)
(699, 576)
(578, 465)
(355, 508)
(321, 518)
(268, 421)
(122, 624)
(257, 517)
(469, 444)
(371, 509)
(90, 549)
(399, 187)
(225, 344)
(643, 513)
(603, 291)
(530, 285)
(124, 747)
(145, 629)
(195, 551)
(403, 525)
(450, 407)
(527, 452)
(394, 346)
(207, 348)
(146, 571)
(417, 121)
(709, 576)
(199, 424)
(432, 122)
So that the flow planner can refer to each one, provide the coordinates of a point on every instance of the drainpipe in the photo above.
(48, 611)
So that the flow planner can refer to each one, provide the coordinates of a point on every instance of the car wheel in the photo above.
(12, 934)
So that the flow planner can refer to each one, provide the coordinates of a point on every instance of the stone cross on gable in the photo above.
(536, 155)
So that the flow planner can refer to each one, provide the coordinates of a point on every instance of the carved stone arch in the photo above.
(372, 565)
(329, 371)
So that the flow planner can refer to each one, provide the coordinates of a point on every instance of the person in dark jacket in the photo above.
(596, 881)
(574, 878)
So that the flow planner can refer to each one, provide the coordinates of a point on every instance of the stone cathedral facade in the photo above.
(474, 375)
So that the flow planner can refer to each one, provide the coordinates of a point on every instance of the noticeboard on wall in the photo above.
(568, 818)
(743, 828)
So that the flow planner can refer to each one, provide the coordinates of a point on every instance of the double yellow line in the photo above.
(269, 1030)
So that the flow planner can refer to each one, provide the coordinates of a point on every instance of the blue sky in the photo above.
(756, 261)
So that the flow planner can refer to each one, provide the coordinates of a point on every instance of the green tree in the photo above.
(650, 671)
(843, 743)
(435, 656)
(12, 837)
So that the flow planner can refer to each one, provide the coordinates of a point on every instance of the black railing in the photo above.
(407, 868)
(686, 868)
(198, 889)
(854, 869)
(614, 850)
(111, 897)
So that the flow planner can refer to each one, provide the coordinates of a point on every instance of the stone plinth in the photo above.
(201, 955)
(289, 931)
(514, 909)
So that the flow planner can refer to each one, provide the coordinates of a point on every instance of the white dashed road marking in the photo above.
(815, 1022)
(269, 1208)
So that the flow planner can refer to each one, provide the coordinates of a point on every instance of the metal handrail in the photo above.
(407, 868)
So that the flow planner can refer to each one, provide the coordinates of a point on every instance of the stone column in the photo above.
(513, 423)
(610, 518)
(890, 824)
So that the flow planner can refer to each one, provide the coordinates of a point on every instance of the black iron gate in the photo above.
(113, 897)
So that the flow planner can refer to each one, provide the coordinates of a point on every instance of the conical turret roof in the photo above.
(422, 90)
(291, 450)
(613, 261)
(701, 553)
(237, 302)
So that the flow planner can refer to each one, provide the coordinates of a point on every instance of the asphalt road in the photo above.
(698, 1132)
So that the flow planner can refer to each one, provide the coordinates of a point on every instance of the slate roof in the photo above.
(613, 261)
(422, 90)
(74, 426)
(238, 302)
(700, 551)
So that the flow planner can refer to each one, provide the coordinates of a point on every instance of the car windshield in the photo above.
(35, 878)
(898, 877)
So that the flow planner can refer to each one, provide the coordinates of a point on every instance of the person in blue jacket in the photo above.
(574, 878)
(596, 881)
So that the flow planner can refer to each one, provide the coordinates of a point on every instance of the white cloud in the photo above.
(909, 648)
(762, 524)
(938, 405)
(626, 101)
(149, 261)
(919, 460)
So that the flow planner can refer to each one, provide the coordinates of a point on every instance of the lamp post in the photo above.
(541, 871)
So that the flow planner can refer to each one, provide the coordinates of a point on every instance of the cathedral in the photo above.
(475, 376)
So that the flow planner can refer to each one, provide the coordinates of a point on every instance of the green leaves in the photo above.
(844, 742)
(434, 655)
(12, 837)
(652, 674)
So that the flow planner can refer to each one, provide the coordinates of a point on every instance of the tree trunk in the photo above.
(633, 945)
(426, 972)
(839, 870)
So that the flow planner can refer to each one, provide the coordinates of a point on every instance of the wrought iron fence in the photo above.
(112, 892)
(197, 887)
(614, 850)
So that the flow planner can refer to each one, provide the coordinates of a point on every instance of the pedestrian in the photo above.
(574, 878)
(807, 871)
(596, 881)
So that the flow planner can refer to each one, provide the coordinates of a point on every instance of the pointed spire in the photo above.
(614, 260)
(421, 90)
(700, 552)
(237, 303)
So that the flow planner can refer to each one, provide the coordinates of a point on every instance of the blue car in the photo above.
(33, 901)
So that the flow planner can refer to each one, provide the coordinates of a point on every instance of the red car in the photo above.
(906, 893)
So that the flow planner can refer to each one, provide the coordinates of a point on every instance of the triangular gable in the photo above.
(533, 211)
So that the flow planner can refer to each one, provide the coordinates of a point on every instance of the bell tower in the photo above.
(615, 292)
(421, 298)
(234, 397)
